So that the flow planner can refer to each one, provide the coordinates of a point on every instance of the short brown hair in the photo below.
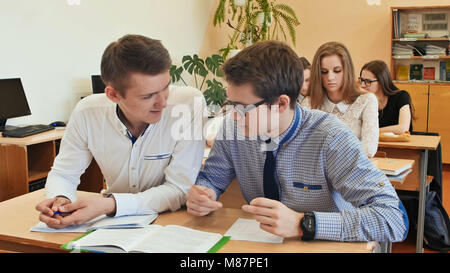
(133, 53)
(271, 67)
(350, 88)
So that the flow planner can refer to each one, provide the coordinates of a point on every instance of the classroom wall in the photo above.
(54, 47)
(364, 29)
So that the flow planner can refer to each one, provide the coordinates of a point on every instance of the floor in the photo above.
(409, 245)
(233, 198)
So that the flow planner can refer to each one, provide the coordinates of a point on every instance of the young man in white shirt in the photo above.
(131, 131)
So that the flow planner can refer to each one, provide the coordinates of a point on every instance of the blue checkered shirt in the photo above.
(320, 168)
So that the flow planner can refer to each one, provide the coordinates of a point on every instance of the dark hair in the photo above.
(317, 92)
(133, 53)
(381, 72)
(306, 64)
(271, 67)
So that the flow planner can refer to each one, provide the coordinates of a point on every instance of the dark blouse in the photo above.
(390, 114)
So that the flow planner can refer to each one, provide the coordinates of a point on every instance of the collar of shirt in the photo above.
(285, 137)
(329, 106)
(123, 129)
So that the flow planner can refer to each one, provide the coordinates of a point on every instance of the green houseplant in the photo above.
(255, 20)
(203, 71)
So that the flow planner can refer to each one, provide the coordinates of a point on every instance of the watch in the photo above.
(308, 226)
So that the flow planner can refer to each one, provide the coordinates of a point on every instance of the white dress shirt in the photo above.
(153, 174)
(361, 117)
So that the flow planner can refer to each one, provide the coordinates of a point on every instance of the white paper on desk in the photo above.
(249, 230)
(101, 222)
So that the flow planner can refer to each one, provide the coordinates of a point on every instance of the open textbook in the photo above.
(151, 239)
(102, 222)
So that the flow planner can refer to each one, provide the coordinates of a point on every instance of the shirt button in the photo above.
(305, 188)
(381, 184)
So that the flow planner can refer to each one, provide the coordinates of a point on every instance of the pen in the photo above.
(63, 214)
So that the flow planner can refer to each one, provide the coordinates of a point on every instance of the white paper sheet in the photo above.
(249, 230)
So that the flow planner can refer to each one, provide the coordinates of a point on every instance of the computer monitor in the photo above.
(13, 102)
(97, 84)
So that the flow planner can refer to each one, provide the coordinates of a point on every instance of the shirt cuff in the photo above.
(126, 204)
(328, 226)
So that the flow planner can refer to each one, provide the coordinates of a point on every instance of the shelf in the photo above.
(34, 175)
(430, 57)
(424, 82)
(421, 40)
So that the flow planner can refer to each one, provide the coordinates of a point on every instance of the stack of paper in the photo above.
(435, 50)
(400, 50)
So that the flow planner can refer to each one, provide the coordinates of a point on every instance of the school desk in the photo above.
(19, 215)
(417, 149)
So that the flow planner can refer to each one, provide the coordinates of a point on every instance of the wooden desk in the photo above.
(21, 215)
(28, 159)
(417, 149)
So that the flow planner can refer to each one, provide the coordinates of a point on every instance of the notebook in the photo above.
(392, 166)
(400, 177)
(102, 222)
(151, 239)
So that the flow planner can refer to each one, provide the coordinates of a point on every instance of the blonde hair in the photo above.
(317, 92)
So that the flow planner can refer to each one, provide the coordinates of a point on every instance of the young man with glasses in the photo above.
(303, 173)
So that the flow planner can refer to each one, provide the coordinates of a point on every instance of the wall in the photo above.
(364, 29)
(54, 47)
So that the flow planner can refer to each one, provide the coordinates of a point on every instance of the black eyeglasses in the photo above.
(367, 82)
(244, 109)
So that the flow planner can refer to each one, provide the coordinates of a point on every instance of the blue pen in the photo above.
(63, 214)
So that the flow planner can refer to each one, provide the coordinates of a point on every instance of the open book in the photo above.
(151, 239)
(102, 222)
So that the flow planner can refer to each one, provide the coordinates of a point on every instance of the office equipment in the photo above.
(151, 239)
(98, 86)
(101, 222)
(13, 102)
(37, 185)
(27, 130)
(58, 124)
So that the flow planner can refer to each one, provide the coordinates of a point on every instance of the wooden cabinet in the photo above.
(419, 98)
(439, 116)
(24, 161)
(431, 103)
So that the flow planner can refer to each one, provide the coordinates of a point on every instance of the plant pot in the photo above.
(240, 3)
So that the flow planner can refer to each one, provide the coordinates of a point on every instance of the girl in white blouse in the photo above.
(333, 89)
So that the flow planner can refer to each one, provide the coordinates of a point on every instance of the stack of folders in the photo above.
(402, 51)
(395, 169)
(435, 50)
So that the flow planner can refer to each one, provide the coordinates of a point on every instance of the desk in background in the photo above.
(15, 235)
(26, 160)
(417, 149)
